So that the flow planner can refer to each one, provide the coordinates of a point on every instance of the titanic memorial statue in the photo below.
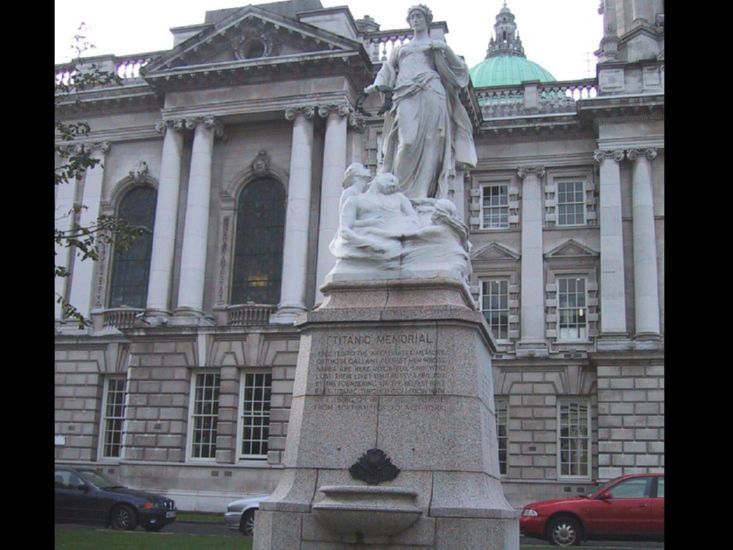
(391, 440)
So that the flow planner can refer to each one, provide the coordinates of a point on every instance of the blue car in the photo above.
(84, 495)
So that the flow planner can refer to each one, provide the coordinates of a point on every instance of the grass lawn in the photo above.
(200, 517)
(93, 539)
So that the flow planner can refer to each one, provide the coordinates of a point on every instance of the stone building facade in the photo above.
(232, 146)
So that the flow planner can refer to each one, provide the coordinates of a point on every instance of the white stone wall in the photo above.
(630, 417)
(78, 378)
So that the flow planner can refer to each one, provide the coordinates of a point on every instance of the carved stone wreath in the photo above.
(374, 467)
(253, 44)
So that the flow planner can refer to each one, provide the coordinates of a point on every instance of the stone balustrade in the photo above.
(249, 314)
(534, 98)
(123, 317)
(126, 67)
(380, 44)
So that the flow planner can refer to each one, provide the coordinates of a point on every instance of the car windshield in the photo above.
(98, 479)
(601, 487)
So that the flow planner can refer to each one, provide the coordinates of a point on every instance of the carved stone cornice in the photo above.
(600, 155)
(525, 171)
(649, 153)
(341, 109)
(307, 111)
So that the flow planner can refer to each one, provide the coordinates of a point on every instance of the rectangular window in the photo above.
(572, 312)
(495, 306)
(570, 203)
(574, 438)
(255, 415)
(501, 432)
(205, 411)
(113, 416)
(495, 207)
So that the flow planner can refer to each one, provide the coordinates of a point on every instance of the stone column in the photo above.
(458, 194)
(166, 213)
(81, 277)
(613, 293)
(63, 218)
(646, 292)
(532, 340)
(334, 165)
(295, 247)
(357, 128)
(195, 235)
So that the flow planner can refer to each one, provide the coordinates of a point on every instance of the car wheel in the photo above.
(564, 531)
(247, 523)
(123, 517)
(153, 527)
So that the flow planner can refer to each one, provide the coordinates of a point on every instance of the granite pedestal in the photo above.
(402, 366)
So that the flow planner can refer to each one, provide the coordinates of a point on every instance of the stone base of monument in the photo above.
(392, 440)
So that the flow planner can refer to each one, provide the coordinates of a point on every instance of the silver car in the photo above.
(240, 513)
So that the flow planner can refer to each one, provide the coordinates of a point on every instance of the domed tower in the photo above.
(505, 63)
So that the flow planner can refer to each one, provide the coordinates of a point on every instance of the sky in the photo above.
(559, 35)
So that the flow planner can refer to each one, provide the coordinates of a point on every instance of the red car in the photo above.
(630, 506)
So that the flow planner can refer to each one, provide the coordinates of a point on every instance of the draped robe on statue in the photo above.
(427, 130)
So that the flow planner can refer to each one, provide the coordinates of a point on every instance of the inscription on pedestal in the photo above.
(400, 362)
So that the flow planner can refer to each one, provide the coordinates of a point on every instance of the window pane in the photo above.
(259, 243)
(574, 438)
(113, 418)
(571, 312)
(204, 417)
(495, 306)
(256, 415)
(632, 488)
(495, 207)
(570, 205)
(131, 268)
(501, 432)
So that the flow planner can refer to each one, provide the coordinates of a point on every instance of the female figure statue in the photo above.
(427, 130)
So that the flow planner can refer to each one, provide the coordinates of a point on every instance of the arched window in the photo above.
(131, 267)
(258, 245)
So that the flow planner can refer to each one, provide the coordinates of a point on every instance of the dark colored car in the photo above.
(628, 507)
(83, 495)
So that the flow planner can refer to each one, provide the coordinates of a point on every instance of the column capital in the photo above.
(340, 109)
(101, 146)
(177, 124)
(80, 147)
(357, 122)
(210, 122)
(649, 152)
(525, 171)
(190, 123)
(616, 154)
(306, 111)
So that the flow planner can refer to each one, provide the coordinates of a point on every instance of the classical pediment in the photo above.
(571, 249)
(493, 252)
(249, 36)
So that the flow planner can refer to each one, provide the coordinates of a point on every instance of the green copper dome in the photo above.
(505, 63)
(506, 70)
